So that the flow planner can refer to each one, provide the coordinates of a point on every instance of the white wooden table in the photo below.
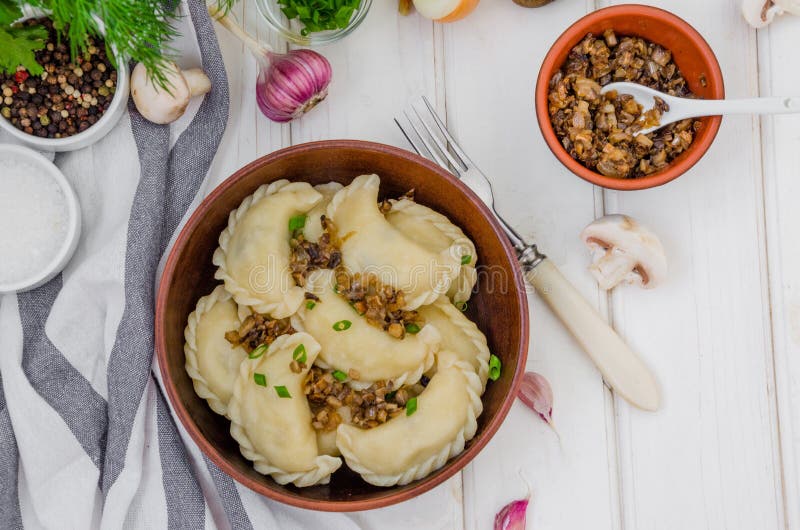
(722, 335)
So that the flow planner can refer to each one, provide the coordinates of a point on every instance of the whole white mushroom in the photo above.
(624, 250)
(165, 106)
(759, 13)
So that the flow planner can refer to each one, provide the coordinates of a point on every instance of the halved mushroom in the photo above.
(624, 250)
(759, 13)
(165, 106)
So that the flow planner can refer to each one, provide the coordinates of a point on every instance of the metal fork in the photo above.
(622, 369)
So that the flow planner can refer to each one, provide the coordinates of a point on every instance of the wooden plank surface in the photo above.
(709, 458)
(780, 76)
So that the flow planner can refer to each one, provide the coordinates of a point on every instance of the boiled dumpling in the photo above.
(211, 361)
(271, 418)
(313, 229)
(371, 244)
(408, 448)
(435, 232)
(459, 334)
(253, 254)
(369, 350)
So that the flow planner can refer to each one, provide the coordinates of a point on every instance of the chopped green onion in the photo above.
(282, 392)
(336, 288)
(342, 325)
(462, 306)
(258, 352)
(466, 259)
(411, 406)
(299, 354)
(297, 223)
(260, 379)
(339, 375)
(494, 367)
(412, 328)
(311, 304)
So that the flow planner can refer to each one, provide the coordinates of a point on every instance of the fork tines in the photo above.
(425, 140)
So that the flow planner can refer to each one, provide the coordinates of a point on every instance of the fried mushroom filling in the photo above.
(598, 129)
(333, 401)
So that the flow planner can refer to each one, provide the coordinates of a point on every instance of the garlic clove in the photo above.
(512, 516)
(537, 394)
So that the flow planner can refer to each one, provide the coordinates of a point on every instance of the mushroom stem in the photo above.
(198, 82)
(612, 268)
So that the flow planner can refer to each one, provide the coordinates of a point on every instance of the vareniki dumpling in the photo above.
(435, 232)
(409, 447)
(211, 361)
(253, 254)
(371, 244)
(349, 342)
(313, 228)
(271, 418)
(459, 334)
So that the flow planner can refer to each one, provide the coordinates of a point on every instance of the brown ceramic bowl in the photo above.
(691, 53)
(501, 312)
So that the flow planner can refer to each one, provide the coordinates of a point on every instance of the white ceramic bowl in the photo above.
(94, 133)
(70, 242)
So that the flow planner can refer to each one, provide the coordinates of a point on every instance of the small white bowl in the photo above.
(64, 254)
(94, 133)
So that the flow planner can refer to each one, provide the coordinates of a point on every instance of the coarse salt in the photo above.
(33, 220)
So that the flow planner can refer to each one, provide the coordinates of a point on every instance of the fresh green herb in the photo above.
(390, 395)
(342, 325)
(320, 15)
(282, 392)
(412, 328)
(411, 406)
(19, 43)
(299, 354)
(260, 379)
(495, 366)
(258, 352)
(139, 30)
(462, 306)
(339, 375)
(466, 259)
(297, 222)
(311, 304)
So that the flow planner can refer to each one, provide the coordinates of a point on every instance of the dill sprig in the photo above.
(139, 30)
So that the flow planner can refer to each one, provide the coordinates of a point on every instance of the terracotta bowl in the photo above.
(499, 307)
(691, 53)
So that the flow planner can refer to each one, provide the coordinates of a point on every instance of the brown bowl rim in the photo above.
(424, 485)
(577, 31)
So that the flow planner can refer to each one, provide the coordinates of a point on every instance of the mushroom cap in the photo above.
(622, 237)
(757, 12)
(789, 6)
(155, 104)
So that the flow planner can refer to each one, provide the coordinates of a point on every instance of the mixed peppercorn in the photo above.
(68, 97)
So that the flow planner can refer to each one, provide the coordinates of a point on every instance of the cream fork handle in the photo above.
(622, 369)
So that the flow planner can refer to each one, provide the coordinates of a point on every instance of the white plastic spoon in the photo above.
(682, 108)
